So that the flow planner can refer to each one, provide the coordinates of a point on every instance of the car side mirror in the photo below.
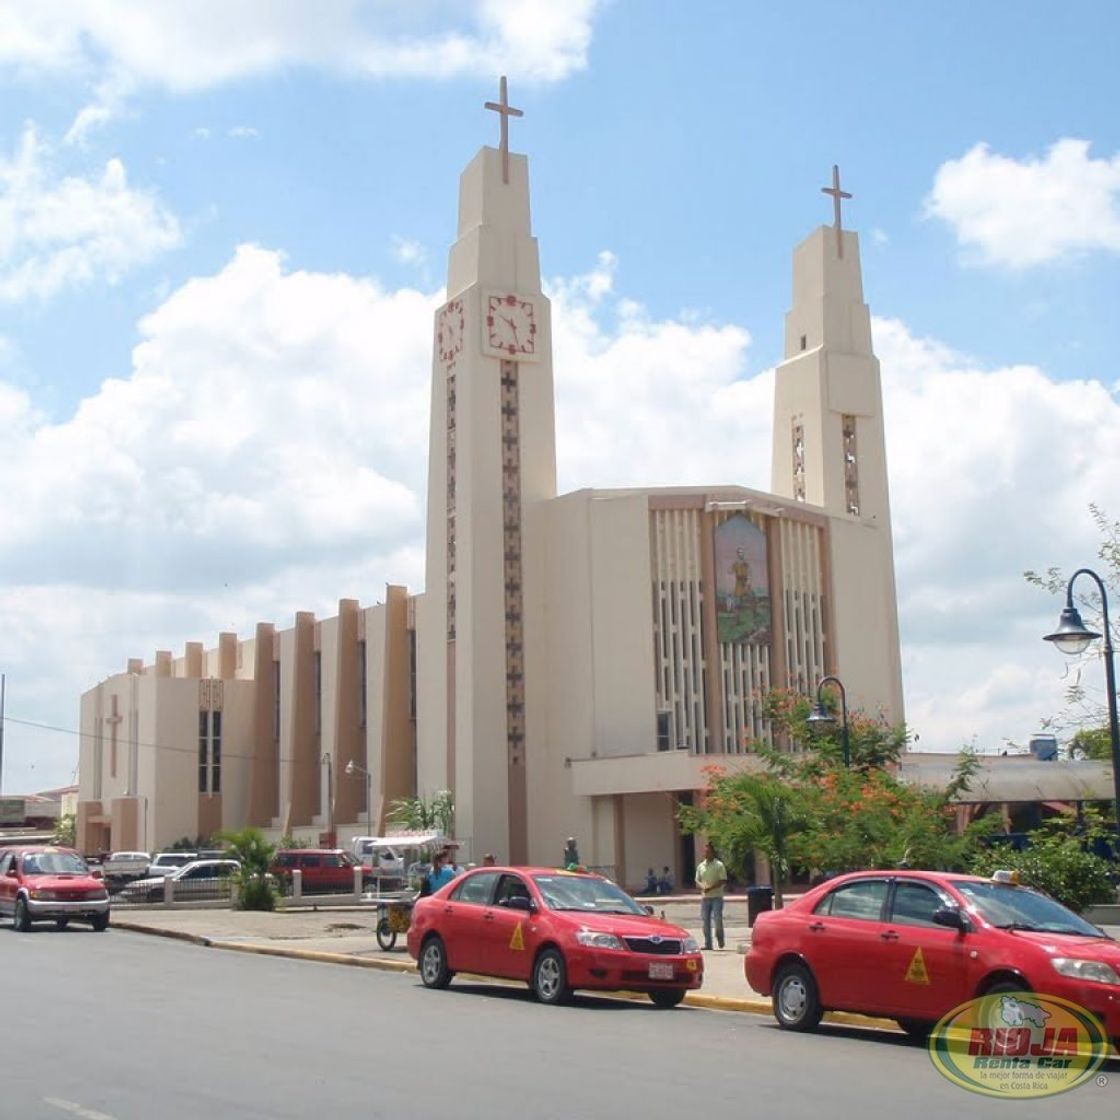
(648, 909)
(519, 902)
(953, 917)
(96, 873)
(13, 872)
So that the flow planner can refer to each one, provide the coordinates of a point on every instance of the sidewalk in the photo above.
(345, 936)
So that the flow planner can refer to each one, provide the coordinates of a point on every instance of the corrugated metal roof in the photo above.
(1015, 779)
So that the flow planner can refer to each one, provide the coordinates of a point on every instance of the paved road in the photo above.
(128, 1027)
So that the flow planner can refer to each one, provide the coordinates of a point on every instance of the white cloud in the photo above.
(185, 45)
(243, 132)
(1021, 213)
(266, 453)
(201, 133)
(409, 252)
(64, 232)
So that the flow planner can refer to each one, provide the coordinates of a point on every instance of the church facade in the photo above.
(575, 661)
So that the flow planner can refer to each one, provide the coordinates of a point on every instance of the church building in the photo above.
(575, 660)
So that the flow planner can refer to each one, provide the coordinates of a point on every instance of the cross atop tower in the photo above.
(505, 111)
(837, 194)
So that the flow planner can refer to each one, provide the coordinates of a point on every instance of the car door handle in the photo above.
(448, 910)
(488, 917)
(816, 927)
(889, 935)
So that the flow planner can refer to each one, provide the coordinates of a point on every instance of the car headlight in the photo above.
(595, 940)
(44, 896)
(97, 896)
(690, 945)
(1097, 971)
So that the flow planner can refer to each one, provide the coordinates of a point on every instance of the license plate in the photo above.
(660, 971)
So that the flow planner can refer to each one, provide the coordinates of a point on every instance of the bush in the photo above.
(1056, 862)
(256, 887)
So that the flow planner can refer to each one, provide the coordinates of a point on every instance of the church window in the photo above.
(664, 731)
(276, 701)
(798, 434)
(804, 342)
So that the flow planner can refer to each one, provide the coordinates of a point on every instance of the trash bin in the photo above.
(758, 899)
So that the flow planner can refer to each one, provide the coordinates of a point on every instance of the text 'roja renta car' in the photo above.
(555, 930)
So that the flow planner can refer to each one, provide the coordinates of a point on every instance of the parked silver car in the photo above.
(202, 879)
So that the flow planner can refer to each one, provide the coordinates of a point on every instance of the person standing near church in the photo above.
(711, 878)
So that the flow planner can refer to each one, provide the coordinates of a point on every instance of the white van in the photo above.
(379, 853)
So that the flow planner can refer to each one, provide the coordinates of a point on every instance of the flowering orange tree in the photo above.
(805, 809)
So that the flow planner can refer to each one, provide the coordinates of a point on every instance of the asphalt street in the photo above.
(119, 1026)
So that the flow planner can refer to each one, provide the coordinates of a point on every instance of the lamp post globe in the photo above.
(1072, 638)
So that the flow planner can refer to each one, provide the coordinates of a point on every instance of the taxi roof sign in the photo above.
(1004, 876)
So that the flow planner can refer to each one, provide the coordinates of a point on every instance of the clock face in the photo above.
(511, 326)
(449, 331)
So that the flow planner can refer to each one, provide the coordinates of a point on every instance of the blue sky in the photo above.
(262, 196)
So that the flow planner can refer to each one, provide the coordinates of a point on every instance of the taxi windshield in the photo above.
(586, 893)
(54, 863)
(1017, 908)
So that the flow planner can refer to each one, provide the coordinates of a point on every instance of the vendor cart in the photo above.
(393, 916)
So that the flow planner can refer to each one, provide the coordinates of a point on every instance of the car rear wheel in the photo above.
(550, 978)
(917, 1030)
(21, 916)
(434, 972)
(667, 997)
(797, 1006)
(61, 923)
(386, 935)
(100, 922)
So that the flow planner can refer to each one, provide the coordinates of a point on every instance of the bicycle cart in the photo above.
(393, 917)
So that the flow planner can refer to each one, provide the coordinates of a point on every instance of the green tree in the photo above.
(748, 812)
(807, 810)
(1058, 862)
(424, 814)
(1092, 742)
(257, 889)
(66, 834)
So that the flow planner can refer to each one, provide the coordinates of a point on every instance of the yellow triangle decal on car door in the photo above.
(517, 941)
(916, 973)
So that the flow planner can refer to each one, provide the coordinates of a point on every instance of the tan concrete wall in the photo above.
(650, 836)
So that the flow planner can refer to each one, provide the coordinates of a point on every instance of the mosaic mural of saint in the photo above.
(742, 582)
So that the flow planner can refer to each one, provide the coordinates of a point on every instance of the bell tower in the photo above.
(492, 454)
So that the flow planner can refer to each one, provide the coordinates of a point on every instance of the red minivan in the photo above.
(44, 883)
(324, 870)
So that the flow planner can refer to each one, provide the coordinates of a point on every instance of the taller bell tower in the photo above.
(492, 454)
(830, 451)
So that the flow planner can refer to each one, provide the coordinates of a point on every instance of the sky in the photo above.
(224, 228)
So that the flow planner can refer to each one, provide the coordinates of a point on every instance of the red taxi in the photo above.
(912, 945)
(556, 930)
(47, 883)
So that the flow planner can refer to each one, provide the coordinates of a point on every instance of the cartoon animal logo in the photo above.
(1016, 1013)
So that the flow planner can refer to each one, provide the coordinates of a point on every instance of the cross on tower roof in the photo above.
(505, 111)
(837, 194)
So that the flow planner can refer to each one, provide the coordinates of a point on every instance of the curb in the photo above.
(745, 1006)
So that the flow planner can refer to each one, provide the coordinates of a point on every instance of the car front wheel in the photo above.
(550, 978)
(666, 998)
(434, 972)
(797, 1006)
(100, 922)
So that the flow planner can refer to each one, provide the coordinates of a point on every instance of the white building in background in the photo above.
(575, 660)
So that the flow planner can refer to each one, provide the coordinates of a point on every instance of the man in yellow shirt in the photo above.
(711, 878)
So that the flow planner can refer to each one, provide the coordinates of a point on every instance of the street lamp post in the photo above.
(821, 715)
(353, 768)
(1072, 638)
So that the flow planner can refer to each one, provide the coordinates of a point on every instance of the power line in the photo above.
(192, 751)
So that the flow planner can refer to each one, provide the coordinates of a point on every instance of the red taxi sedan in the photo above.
(52, 884)
(556, 930)
(912, 945)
